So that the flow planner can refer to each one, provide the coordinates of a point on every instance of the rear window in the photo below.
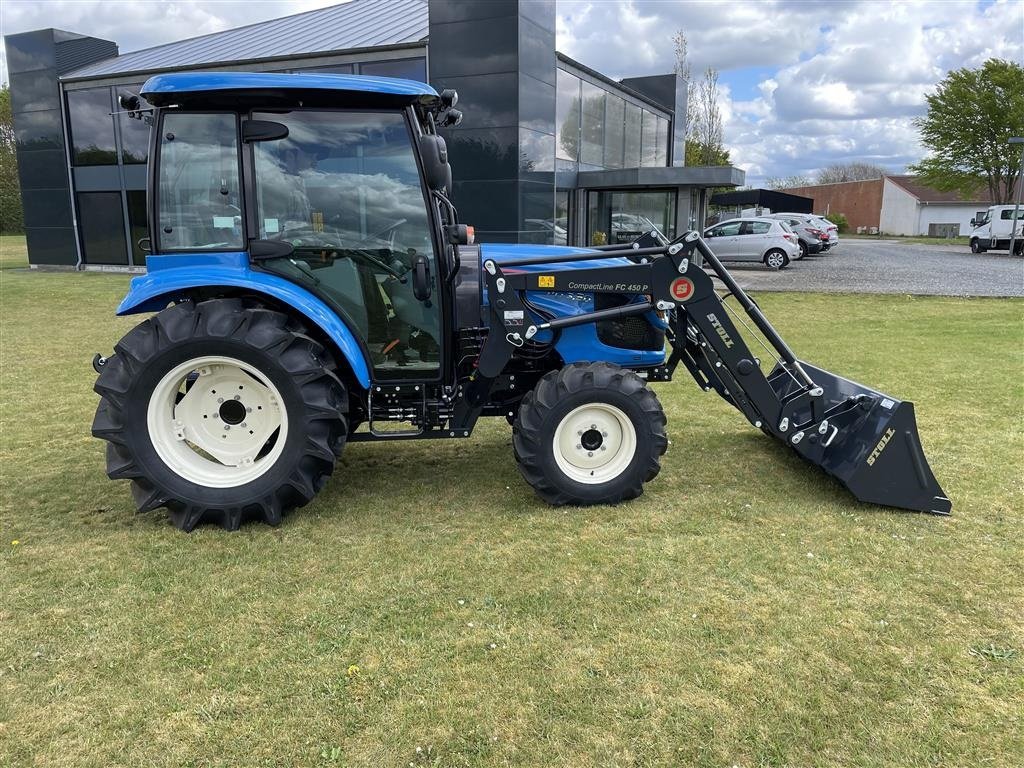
(785, 227)
(198, 195)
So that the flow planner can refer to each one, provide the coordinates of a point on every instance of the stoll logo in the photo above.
(881, 446)
(721, 331)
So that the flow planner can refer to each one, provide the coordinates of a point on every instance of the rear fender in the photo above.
(174, 276)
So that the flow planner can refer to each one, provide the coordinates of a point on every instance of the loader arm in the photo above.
(866, 439)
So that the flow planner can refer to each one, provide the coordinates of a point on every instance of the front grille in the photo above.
(632, 332)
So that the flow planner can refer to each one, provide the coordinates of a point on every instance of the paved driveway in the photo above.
(886, 266)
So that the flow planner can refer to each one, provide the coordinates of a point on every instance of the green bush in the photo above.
(839, 220)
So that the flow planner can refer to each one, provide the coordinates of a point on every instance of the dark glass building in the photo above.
(550, 151)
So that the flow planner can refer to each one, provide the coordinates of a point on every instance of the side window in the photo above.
(199, 205)
(728, 230)
(1008, 214)
(759, 227)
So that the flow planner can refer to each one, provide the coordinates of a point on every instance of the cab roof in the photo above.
(247, 89)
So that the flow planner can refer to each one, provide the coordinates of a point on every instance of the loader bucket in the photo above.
(871, 445)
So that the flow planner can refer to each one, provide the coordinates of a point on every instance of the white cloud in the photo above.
(846, 78)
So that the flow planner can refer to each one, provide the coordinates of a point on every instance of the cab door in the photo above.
(342, 190)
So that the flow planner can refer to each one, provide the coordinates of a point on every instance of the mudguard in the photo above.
(169, 276)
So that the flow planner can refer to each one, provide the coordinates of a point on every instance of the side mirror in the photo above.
(973, 224)
(421, 277)
(434, 153)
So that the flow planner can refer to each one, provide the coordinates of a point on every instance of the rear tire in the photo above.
(169, 428)
(776, 259)
(590, 433)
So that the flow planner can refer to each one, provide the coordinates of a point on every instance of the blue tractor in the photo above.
(312, 286)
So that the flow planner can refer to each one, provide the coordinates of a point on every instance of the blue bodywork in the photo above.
(178, 83)
(578, 343)
(174, 275)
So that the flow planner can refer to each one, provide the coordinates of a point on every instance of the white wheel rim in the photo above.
(594, 443)
(774, 260)
(204, 436)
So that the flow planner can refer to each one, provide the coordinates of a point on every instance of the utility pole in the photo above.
(1015, 222)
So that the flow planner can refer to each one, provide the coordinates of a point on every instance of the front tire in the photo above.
(590, 433)
(221, 413)
(776, 259)
(977, 247)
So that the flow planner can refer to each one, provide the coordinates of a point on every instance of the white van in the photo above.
(991, 230)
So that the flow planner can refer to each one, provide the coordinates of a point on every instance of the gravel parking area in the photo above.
(888, 266)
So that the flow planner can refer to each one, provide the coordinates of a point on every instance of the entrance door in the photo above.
(343, 189)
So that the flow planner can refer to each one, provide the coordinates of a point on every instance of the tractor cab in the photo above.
(335, 183)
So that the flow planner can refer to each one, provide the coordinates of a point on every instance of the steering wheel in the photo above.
(300, 238)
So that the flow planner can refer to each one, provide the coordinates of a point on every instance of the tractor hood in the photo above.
(501, 253)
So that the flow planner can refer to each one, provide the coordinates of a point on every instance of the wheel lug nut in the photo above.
(604, 447)
(604, 434)
(243, 425)
(226, 427)
(593, 426)
(579, 447)
(579, 432)
(248, 410)
(590, 453)
(238, 397)
(220, 399)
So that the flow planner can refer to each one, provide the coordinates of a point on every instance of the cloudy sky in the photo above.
(804, 84)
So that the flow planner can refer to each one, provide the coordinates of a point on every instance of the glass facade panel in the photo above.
(592, 126)
(137, 222)
(101, 224)
(411, 69)
(661, 143)
(134, 133)
(567, 116)
(622, 217)
(199, 195)
(631, 158)
(649, 140)
(614, 130)
(92, 127)
(334, 69)
(560, 230)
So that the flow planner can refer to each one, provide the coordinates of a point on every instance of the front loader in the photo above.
(313, 287)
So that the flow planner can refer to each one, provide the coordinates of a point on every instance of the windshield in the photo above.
(342, 180)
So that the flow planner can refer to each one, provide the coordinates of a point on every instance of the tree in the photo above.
(839, 172)
(705, 145)
(788, 182)
(11, 216)
(970, 117)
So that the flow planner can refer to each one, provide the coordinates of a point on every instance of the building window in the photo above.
(632, 137)
(137, 222)
(134, 133)
(614, 130)
(334, 69)
(410, 69)
(92, 127)
(567, 117)
(101, 223)
(621, 217)
(592, 127)
(199, 200)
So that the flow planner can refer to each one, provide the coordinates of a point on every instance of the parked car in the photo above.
(991, 232)
(811, 237)
(831, 230)
(769, 241)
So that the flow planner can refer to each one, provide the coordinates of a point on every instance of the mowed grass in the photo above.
(428, 610)
(13, 252)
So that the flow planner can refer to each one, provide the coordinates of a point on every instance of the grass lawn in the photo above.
(428, 610)
(13, 252)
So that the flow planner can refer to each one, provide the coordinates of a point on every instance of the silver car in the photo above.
(769, 241)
